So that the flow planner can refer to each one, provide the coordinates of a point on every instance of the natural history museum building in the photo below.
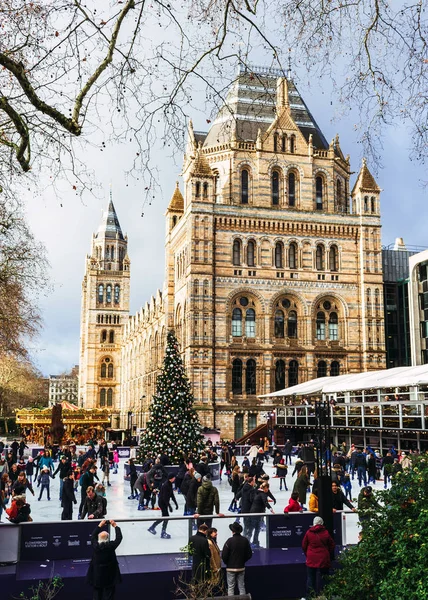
(273, 269)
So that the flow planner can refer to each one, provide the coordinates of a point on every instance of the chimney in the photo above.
(399, 244)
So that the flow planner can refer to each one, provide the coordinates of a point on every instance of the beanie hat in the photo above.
(171, 475)
(318, 521)
(206, 478)
(197, 476)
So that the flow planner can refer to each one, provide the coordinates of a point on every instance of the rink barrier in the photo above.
(71, 540)
(213, 467)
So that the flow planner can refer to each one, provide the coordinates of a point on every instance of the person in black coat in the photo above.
(166, 494)
(86, 480)
(192, 493)
(339, 498)
(236, 552)
(68, 497)
(246, 494)
(104, 573)
(259, 505)
(201, 555)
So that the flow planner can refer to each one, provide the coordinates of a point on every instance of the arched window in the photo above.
(245, 180)
(279, 324)
(102, 397)
(333, 255)
(319, 258)
(284, 143)
(108, 294)
(205, 189)
(333, 327)
(117, 293)
(275, 188)
(292, 256)
(111, 337)
(291, 189)
(275, 142)
(251, 254)
(293, 373)
(237, 322)
(279, 255)
(110, 370)
(103, 370)
(197, 189)
(318, 193)
(320, 326)
(250, 377)
(373, 204)
(101, 293)
(322, 369)
(338, 194)
(366, 204)
(112, 253)
(103, 336)
(237, 376)
(250, 323)
(334, 369)
(109, 397)
(292, 324)
(279, 375)
(237, 252)
(292, 144)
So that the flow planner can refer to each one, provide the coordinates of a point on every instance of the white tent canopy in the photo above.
(386, 378)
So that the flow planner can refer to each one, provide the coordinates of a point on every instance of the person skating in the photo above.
(339, 498)
(93, 505)
(68, 497)
(259, 505)
(293, 504)
(288, 448)
(43, 481)
(133, 476)
(86, 480)
(236, 552)
(166, 494)
(104, 573)
(281, 472)
(21, 485)
(207, 500)
(63, 469)
(318, 546)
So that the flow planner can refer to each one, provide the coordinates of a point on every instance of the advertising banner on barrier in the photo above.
(287, 531)
(124, 451)
(49, 541)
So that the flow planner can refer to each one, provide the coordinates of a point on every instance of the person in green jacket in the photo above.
(207, 500)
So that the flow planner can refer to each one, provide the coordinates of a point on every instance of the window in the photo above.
(251, 254)
(103, 336)
(245, 177)
(237, 252)
(320, 326)
(279, 254)
(279, 324)
(102, 397)
(338, 194)
(292, 256)
(237, 322)
(110, 370)
(250, 323)
(284, 143)
(291, 189)
(293, 373)
(239, 426)
(275, 188)
(250, 377)
(205, 189)
(112, 253)
(333, 327)
(373, 204)
(318, 193)
(197, 189)
(292, 324)
(333, 255)
(103, 371)
(319, 258)
(334, 369)
(322, 369)
(116, 294)
(108, 294)
(279, 375)
(292, 144)
(110, 397)
(366, 204)
(275, 142)
(100, 293)
(111, 337)
(237, 376)
(252, 421)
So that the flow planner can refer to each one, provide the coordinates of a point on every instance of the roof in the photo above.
(251, 105)
(369, 380)
(200, 166)
(365, 180)
(177, 200)
(110, 226)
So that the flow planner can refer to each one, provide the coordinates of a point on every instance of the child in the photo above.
(106, 471)
(293, 503)
(281, 472)
(347, 486)
(115, 460)
(44, 480)
(29, 469)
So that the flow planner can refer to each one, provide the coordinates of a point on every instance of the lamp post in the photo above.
(323, 448)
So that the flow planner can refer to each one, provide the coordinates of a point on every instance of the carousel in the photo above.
(79, 424)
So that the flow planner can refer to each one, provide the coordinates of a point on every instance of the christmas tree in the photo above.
(173, 428)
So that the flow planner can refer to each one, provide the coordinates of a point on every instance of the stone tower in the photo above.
(104, 312)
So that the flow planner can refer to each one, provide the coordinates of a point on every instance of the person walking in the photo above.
(288, 448)
(318, 546)
(236, 552)
(301, 485)
(104, 573)
(166, 494)
(207, 500)
(201, 555)
(215, 560)
(43, 480)
(68, 497)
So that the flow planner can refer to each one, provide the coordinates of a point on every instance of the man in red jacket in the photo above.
(318, 546)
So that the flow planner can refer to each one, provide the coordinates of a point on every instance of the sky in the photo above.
(65, 222)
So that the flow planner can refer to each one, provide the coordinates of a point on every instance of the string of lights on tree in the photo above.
(173, 428)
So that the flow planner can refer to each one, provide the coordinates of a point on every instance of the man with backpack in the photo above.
(207, 500)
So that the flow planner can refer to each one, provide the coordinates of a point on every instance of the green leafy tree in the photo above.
(387, 562)
(173, 428)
